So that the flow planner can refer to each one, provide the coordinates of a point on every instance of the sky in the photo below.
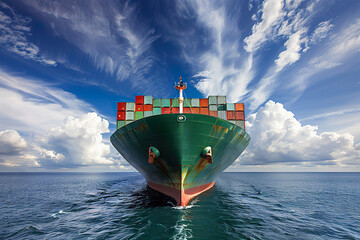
(65, 64)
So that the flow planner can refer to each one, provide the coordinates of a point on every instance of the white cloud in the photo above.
(321, 31)
(277, 137)
(14, 31)
(11, 143)
(79, 141)
(292, 52)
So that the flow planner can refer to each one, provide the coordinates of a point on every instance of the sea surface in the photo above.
(121, 206)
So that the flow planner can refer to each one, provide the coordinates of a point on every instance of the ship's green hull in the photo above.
(180, 165)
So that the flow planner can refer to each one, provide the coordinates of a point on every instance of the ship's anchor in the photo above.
(207, 154)
(154, 153)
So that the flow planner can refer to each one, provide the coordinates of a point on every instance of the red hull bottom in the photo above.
(183, 196)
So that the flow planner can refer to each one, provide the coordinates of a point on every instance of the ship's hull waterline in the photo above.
(180, 171)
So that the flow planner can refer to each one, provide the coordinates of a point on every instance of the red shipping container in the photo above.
(165, 110)
(121, 106)
(204, 111)
(121, 115)
(139, 108)
(148, 107)
(230, 115)
(139, 99)
(196, 110)
(213, 113)
(204, 103)
(175, 110)
(240, 115)
(239, 107)
(187, 110)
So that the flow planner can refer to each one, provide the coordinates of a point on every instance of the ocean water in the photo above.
(121, 206)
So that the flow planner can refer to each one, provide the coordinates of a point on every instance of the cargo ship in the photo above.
(180, 145)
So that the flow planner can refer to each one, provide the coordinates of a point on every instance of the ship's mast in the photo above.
(180, 86)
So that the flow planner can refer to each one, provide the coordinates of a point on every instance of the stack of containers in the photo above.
(195, 105)
(240, 115)
(148, 106)
(165, 106)
(129, 114)
(213, 106)
(157, 106)
(139, 107)
(120, 119)
(221, 101)
(187, 105)
(204, 106)
(175, 105)
(230, 112)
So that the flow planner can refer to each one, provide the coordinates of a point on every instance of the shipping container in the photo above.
(165, 110)
(175, 102)
(120, 124)
(213, 108)
(204, 103)
(204, 111)
(139, 115)
(130, 106)
(139, 99)
(230, 107)
(175, 110)
(232, 121)
(230, 115)
(221, 100)
(139, 108)
(156, 111)
(196, 110)
(165, 102)
(213, 113)
(212, 100)
(240, 123)
(187, 102)
(148, 113)
(121, 106)
(221, 107)
(239, 115)
(148, 108)
(222, 114)
(129, 116)
(239, 107)
(187, 110)
(120, 115)
(157, 102)
(148, 100)
(195, 102)
(128, 121)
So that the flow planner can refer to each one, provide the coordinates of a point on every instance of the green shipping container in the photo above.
(212, 100)
(213, 107)
(157, 102)
(148, 100)
(221, 100)
(230, 106)
(156, 111)
(187, 102)
(130, 106)
(175, 102)
(129, 116)
(120, 124)
(222, 114)
(195, 102)
(165, 102)
(148, 113)
(139, 115)
(221, 107)
(128, 121)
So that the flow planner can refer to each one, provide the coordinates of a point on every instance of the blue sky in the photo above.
(65, 64)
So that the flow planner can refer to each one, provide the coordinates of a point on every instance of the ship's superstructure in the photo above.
(180, 145)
